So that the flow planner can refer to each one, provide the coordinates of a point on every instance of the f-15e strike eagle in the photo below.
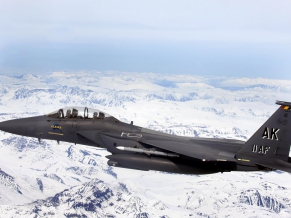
(139, 148)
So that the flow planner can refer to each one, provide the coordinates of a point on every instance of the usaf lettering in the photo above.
(260, 149)
(270, 133)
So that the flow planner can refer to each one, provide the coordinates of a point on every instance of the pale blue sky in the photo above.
(222, 38)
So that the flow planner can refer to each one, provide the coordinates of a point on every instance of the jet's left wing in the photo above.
(201, 149)
(205, 150)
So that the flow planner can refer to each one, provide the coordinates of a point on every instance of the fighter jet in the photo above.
(138, 148)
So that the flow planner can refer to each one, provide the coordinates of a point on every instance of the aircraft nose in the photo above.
(12, 126)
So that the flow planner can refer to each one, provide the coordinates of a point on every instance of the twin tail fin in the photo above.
(269, 147)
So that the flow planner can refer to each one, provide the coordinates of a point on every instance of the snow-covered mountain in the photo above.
(66, 180)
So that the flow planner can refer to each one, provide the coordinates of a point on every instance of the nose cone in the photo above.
(12, 126)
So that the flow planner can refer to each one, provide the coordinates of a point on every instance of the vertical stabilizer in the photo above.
(271, 142)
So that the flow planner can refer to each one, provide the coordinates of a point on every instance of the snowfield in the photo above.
(67, 180)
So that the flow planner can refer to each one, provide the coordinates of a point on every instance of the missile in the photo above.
(142, 150)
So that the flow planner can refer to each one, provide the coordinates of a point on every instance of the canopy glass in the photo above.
(78, 112)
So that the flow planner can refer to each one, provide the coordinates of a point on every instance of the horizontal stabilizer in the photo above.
(283, 103)
(276, 164)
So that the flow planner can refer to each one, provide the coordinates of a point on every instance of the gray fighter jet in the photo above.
(139, 148)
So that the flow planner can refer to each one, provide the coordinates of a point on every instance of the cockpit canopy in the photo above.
(78, 113)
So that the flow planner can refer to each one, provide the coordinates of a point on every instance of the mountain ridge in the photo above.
(60, 180)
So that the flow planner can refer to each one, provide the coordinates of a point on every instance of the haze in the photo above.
(221, 38)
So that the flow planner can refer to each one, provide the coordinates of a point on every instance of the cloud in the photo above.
(171, 80)
(244, 82)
